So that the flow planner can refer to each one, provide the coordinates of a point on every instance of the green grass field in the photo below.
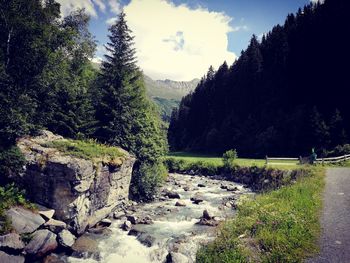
(217, 160)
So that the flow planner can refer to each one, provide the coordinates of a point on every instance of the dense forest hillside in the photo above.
(167, 94)
(287, 92)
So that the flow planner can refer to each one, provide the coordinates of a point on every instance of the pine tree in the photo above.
(27, 38)
(65, 100)
(337, 129)
(125, 116)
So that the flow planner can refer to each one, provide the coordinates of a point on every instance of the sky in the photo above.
(179, 40)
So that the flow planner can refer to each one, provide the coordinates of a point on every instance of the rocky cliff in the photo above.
(82, 191)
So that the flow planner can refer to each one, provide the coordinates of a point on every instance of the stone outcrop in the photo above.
(6, 258)
(42, 242)
(11, 242)
(81, 191)
(23, 220)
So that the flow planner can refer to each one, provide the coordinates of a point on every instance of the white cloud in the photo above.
(67, 6)
(177, 42)
(111, 21)
(317, 1)
(90, 6)
(240, 28)
(100, 4)
(114, 5)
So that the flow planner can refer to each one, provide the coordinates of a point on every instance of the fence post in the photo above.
(266, 159)
(322, 161)
(300, 160)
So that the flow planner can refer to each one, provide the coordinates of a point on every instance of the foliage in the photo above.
(189, 157)
(278, 226)
(125, 117)
(87, 149)
(11, 161)
(10, 196)
(275, 99)
(146, 178)
(27, 37)
(229, 157)
(195, 167)
(66, 98)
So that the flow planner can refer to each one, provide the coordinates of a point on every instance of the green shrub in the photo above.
(146, 178)
(229, 158)
(11, 161)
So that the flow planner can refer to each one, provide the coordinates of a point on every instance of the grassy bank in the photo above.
(217, 160)
(278, 226)
(88, 149)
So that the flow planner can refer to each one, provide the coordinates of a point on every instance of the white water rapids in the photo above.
(174, 228)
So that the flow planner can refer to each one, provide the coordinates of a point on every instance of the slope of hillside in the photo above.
(167, 94)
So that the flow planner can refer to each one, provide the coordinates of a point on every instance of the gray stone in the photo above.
(45, 212)
(118, 215)
(197, 199)
(53, 258)
(66, 238)
(174, 257)
(55, 226)
(42, 242)
(146, 239)
(6, 258)
(180, 203)
(206, 215)
(145, 220)
(172, 194)
(85, 247)
(82, 192)
(100, 230)
(23, 220)
(232, 188)
(11, 241)
(126, 226)
(105, 222)
(132, 219)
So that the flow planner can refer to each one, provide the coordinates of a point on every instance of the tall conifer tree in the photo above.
(125, 116)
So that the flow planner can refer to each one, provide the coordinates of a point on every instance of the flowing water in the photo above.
(174, 228)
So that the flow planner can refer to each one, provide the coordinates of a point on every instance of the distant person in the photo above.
(313, 157)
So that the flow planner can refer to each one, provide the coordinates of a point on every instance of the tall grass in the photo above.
(278, 226)
(87, 149)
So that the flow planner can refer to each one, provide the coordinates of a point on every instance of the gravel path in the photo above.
(335, 221)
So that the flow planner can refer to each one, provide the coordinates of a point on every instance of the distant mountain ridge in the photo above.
(167, 93)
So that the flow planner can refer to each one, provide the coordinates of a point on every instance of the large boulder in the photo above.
(42, 242)
(23, 220)
(82, 192)
(11, 242)
(6, 258)
(66, 238)
(85, 247)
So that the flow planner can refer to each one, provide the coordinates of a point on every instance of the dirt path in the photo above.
(335, 220)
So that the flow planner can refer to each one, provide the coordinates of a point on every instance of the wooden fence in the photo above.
(302, 160)
(333, 159)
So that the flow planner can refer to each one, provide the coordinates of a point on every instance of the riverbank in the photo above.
(172, 227)
(278, 226)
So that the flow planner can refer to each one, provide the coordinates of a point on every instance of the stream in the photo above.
(172, 228)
